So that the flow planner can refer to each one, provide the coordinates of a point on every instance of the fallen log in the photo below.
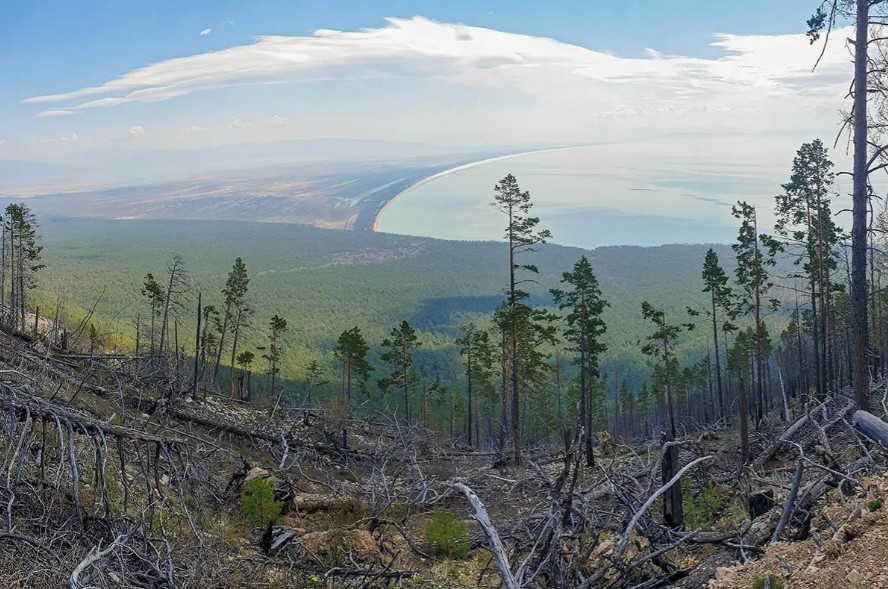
(44, 410)
(769, 452)
(314, 502)
(790, 501)
(493, 539)
(871, 426)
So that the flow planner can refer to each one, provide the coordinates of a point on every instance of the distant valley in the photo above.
(325, 281)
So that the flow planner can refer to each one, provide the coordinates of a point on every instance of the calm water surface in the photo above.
(647, 193)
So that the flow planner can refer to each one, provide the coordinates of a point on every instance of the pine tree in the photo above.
(153, 292)
(585, 329)
(208, 341)
(245, 361)
(754, 281)
(314, 377)
(715, 282)
(475, 346)
(628, 406)
(644, 403)
(533, 333)
(522, 235)
(233, 296)
(173, 300)
(276, 328)
(399, 347)
(351, 348)
(866, 161)
(805, 228)
(21, 243)
(741, 357)
(660, 346)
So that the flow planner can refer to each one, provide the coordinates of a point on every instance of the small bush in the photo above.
(447, 536)
(257, 503)
(759, 582)
(702, 512)
(875, 504)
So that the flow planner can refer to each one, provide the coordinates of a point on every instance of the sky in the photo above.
(92, 85)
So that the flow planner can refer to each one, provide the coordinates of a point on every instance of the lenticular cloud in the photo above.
(752, 67)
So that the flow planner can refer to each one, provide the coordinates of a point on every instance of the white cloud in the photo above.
(240, 124)
(205, 32)
(460, 85)
(3, 142)
(72, 138)
(421, 48)
(136, 131)
(56, 112)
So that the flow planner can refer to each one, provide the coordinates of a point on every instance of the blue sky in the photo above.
(53, 44)
(84, 81)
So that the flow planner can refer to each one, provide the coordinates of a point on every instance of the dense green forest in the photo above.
(326, 281)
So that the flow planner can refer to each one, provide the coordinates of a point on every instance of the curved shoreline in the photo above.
(459, 168)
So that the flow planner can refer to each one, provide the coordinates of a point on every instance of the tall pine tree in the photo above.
(522, 235)
(585, 329)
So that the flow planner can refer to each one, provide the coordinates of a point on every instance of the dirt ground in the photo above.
(847, 548)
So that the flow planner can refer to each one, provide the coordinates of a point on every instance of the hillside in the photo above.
(325, 281)
(118, 477)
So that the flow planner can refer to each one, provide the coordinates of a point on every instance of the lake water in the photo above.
(642, 193)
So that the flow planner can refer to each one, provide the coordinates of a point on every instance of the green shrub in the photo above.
(759, 582)
(257, 503)
(447, 536)
(875, 504)
(702, 511)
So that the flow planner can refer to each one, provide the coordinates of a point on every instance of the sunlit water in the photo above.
(648, 193)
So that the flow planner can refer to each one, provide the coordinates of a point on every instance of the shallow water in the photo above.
(646, 193)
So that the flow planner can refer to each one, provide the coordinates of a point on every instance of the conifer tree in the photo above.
(233, 296)
(752, 277)
(866, 161)
(805, 228)
(715, 282)
(643, 406)
(475, 346)
(208, 341)
(173, 300)
(741, 357)
(522, 235)
(314, 377)
(399, 348)
(245, 361)
(351, 348)
(276, 328)
(660, 346)
(628, 406)
(153, 292)
(21, 243)
(585, 329)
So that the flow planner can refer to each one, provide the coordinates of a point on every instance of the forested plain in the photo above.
(326, 281)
